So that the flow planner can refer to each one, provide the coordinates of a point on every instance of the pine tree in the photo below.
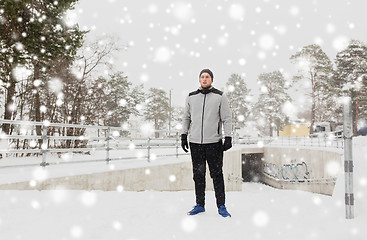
(350, 78)
(33, 33)
(315, 67)
(239, 99)
(157, 108)
(269, 106)
(120, 100)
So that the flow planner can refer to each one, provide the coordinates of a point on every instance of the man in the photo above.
(206, 110)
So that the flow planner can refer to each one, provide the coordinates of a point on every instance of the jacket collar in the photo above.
(206, 90)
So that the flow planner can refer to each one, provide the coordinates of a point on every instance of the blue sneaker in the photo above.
(197, 209)
(222, 210)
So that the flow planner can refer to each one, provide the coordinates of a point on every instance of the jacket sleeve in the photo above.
(226, 116)
(186, 119)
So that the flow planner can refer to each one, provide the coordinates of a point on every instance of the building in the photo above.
(299, 129)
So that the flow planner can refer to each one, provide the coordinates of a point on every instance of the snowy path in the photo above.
(259, 212)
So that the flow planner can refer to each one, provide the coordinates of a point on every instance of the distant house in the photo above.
(300, 129)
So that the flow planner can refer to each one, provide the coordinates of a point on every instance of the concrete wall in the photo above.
(313, 170)
(168, 177)
(285, 168)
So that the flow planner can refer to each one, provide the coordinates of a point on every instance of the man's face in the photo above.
(205, 80)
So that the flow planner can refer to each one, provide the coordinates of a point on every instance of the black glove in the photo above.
(227, 143)
(184, 143)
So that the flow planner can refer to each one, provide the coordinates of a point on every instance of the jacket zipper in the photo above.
(202, 121)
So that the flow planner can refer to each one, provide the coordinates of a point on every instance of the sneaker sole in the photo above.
(188, 214)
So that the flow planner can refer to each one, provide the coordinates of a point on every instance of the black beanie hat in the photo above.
(207, 71)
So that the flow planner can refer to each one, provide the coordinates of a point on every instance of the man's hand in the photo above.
(184, 143)
(227, 143)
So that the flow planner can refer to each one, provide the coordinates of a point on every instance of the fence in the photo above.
(53, 140)
(331, 139)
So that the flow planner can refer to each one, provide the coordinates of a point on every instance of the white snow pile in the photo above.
(258, 212)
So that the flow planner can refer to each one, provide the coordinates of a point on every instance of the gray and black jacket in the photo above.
(205, 113)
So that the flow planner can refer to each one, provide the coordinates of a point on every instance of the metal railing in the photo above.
(329, 140)
(108, 138)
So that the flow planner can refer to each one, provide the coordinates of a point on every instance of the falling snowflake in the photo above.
(294, 210)
(88, 198)
(260, 219)
(153, 156)
(281, 29)
(241, 118)
(59, 196)
(294, 10)
(317, 200)
(231, 88)
(189, 224)
(290, 110)
(237, 12)
(147, 129)
(363, 182)
(172, 178)
(340, 43)
(266, 41)
(32, 183)
(140, 154)
(242, 61)
(120, 188)
(182, 11)
(117, 225)
(35, 204)
(330, 28)
(40, 173)
(76, 231)
(131, 146)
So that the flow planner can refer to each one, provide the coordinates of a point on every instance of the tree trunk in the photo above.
(9, 101)
(312, 113)
(37, 102)
(355, 106)
(156, 127)
(270, 126)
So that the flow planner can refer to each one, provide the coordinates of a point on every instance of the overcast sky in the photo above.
(171, 41)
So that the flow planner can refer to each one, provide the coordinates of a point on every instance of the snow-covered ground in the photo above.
(258, 212)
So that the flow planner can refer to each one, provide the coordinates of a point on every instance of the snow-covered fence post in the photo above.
(325, 139)
(177, 139)
(348, 158)
(108, 145)
(44, 146)
(148, 149)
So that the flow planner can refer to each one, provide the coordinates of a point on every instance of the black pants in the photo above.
(213, 154)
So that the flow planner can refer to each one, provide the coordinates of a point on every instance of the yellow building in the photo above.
(295, 130)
